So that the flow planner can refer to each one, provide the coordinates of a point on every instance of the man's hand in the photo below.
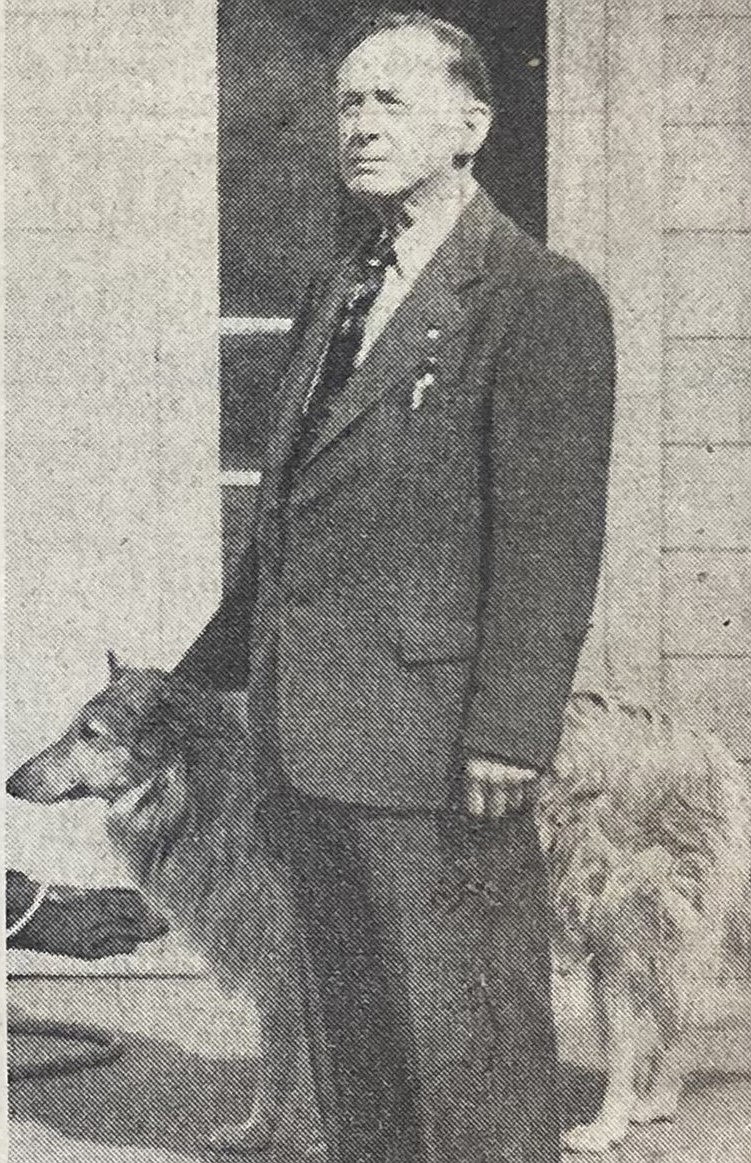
(90, 923)
(492, 788)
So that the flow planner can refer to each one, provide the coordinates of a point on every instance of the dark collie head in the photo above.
(138, 727)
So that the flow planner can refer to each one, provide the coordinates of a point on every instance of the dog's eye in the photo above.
(91, 730)
(596, 881)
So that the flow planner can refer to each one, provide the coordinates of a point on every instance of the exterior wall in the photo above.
(706, 421)
(112, 523)
(650, 134)
(604, 167)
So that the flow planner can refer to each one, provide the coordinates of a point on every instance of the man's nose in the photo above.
(367, 123)
(361, 134)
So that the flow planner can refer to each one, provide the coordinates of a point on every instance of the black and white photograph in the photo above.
(377, 629)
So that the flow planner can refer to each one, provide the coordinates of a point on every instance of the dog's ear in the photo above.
(116, 667)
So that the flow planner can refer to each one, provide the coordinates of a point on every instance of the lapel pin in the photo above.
(418, 392)
(434, 332)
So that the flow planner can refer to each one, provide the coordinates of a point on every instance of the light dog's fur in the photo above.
(646, 827)
(647, 830)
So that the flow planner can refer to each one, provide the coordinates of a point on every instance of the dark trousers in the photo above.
(425, 953)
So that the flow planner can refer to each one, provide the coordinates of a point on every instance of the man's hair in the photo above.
(466, 66)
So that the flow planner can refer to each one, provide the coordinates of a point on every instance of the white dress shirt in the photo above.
(414, 246)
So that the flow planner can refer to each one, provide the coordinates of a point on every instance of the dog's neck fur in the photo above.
(188, 830)
(150, 819)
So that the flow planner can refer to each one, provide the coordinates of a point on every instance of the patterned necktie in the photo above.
(338, 361)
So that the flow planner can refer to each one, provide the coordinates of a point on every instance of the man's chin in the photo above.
(370, 186)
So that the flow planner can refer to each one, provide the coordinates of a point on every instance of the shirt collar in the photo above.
(416, 244)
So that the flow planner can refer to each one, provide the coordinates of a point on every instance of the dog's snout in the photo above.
(30, 783)
(32, 792)
(23, 784)
(15, 785)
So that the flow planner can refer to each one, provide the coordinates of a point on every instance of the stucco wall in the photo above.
(112, 524)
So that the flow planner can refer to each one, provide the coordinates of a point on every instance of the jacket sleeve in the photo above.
(546, 465)
(22, 898)
(219, 656)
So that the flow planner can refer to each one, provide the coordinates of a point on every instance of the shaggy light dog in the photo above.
(646, 826)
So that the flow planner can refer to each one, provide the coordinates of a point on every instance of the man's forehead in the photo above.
(402, 57)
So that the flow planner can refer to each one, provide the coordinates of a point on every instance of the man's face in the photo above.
(402, 120)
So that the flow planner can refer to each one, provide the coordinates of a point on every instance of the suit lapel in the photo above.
(437, 307)
(296, 381)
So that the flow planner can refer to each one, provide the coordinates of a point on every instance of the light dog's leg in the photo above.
(659, 1101)
(284, 1114)
(255, 1135)
(619, 1034)
(278, 1110)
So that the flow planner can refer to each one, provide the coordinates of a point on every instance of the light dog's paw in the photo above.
(317, 1152)
(593, 1138)
(655, 1108)
(241, 1138)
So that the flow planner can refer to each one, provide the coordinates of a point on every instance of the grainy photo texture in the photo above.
(377, 581)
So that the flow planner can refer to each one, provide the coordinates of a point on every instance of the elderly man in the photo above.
(410, 617)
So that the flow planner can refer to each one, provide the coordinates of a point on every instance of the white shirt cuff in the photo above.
(492, 771)
(24, 919)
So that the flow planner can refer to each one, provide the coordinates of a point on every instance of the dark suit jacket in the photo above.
(419, 590)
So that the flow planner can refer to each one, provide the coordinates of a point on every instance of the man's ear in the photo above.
(478, 119)
(116, 667)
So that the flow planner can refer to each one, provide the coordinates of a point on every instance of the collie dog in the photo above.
(171, 763)
(646, 827)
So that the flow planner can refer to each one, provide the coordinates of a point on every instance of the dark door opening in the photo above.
(280, 208)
